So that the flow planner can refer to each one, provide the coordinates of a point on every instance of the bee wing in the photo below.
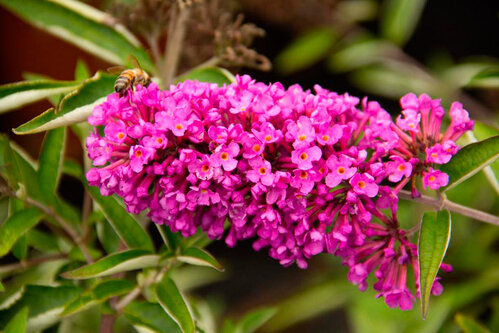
(131, 59)
(115, 69)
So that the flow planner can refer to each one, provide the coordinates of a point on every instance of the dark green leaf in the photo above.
(115, 263)
(123, 223)
(1, 287)
(216, 75)
(172, 301)
(42, 241)
(16, 226)
(98, 294)
(75, 254)
(434, 239)
(75, 107)
(199, 257)
(470, 325)
(45, 305)
(18, 323)
(83, 26)
(20, 248)
(400, 18)
(150, 316)
(16, 95)
(471, 159)
(51, 157)
(255, 319)
(305, 51)
(172, 240)
(107, 236)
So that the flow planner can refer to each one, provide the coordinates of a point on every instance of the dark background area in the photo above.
(458, 29)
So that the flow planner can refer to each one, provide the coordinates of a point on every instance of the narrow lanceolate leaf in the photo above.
(469, 325)
(400, 18)
(83, 26)
(45, 305)
(305, 51)
(81, 71)
(16, 95)
(199, 257)
(51, 158)
(127, 227)
(115, 263)
(75, 107)
(150, 317)
(98, 294)
(16, 226)
(2, 288)
(471, 159)
(216, 75)
(18, 323)
(255, 319)
(434, 239)
(174, 304)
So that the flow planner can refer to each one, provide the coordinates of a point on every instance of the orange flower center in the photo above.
(321, 170)
(361, 184)
(431, 179)
(138, 153)
(205, 168)
(302, 137)
(268, 138)
(256, 148)
(262, 170)
(179, 126)
(121, 135)
(303, 156)
(341, 170)
(159, 140)
(434, 155)
(401, 167)
(325, 138)
(224, 156)
(303, 175)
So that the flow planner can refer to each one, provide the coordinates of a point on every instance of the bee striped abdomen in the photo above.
(124, 81)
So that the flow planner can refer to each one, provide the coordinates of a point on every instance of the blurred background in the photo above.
(380, 49)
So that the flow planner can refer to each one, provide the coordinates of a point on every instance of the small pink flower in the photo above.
(267, 133)
(140, 155)
(410, 122)
(261, 172)
(225, 156)
(435, 179)
(202, 168)
(364, 184)
(303, 180)
(156, 141)
(440, 154)
(398, 168)
(339, 170)
(218, 134)
(116, 131)
(330, 135)
(304, 157)
(302, 132)
(460, 118)
(252, 146)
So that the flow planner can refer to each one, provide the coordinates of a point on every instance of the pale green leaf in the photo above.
(172, 301)
(486, 79)
(16, 226)
(18, 323)
(305, 50)
(470, 325)
(150, 317)
(216, 75)
(400, 18)
(125, 225)
(115, 263)
(75, 107)
(255, 319)
(77, 23)
(51, 158)
(199, 257)
(471, 159)
(81, 71)
(434, 238)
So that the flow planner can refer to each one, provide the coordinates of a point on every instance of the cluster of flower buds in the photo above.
(302, 173)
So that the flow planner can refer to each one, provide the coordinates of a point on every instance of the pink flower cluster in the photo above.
(302, 173)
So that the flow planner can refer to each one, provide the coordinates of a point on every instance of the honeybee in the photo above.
(129, 78)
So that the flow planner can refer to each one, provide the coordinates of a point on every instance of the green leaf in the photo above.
(434, 238)
(81, 71)
(123, 223)
(150, 317)
(199, 257)
(45, 305)
(305, 50)
(469, 325)
(83, 26)
(51, 157)
(255, 319)
(16, 226)
(42, 241)
(18, 323)
(72, 168)
(99, 293)
(172, 301)
(16, 95)
(2, 288)
(20, 248)
(115, 263)
(172, 240)
(471, 159)
(107, 236)
(400, 18)
(487, 79)
(216, 75)
(75, 107)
